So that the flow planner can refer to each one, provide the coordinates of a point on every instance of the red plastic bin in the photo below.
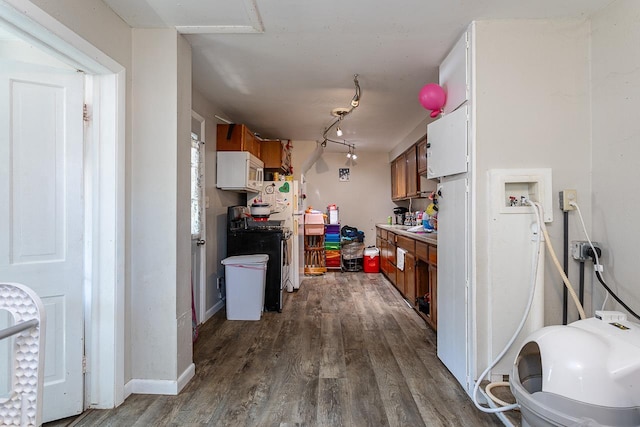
(371, 260)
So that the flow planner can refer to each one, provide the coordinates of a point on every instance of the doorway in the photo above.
(96, 173)
(198, 220)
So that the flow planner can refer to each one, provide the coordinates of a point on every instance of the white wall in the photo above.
(363, 201)
(532, 111)
(219, 200)
(160, 232)
(183, 208)
(615, 74)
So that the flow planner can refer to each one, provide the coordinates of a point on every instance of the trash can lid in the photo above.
(371, 251)
(246, 259)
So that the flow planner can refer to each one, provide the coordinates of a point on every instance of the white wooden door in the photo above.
(42, 219)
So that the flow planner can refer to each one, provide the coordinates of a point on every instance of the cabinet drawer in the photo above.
(421, 251)
(406, 243)
(433, 254)
(383, 234)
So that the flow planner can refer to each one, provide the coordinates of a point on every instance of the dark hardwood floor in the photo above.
(346, 351)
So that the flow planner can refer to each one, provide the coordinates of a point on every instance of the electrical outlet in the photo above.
(580, 249)
(566, 197)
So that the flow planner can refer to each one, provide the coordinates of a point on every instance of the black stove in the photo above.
(246, 236)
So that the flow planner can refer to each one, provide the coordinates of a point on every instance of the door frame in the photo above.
(104, 286)
(201, 307)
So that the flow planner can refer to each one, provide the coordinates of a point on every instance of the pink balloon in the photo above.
(432, 97)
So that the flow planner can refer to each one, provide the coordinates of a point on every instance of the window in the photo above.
(196, 186)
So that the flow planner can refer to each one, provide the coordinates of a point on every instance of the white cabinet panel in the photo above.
(453, 276)
(454, 75)
(447, 144)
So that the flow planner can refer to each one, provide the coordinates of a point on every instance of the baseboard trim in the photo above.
(166, 387)
(213, 310)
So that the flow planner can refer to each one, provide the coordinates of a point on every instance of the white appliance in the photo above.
(585, 373)
(286, 204)
(239, 171)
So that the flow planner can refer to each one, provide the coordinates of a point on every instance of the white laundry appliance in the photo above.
(286, 203)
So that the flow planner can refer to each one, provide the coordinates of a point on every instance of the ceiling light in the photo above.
(356, 98)
(353, 156)
(348, 155)
(339, 131)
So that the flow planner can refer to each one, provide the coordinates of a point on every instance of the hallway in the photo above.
(346, 351)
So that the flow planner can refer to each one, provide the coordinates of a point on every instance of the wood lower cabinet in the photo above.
(406, 277)
(418, 280)
(426, 302)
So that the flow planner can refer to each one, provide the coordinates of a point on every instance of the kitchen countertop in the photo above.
(431, 238)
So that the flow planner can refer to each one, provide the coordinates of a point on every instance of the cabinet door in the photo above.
(411, 172)
(401, 173)
(229, 137)
(433, 289)
(250, 143)
(271, 154)
(454, 75)
(394, 181)
(410, 277)
(400, 278)
(452, 260)
(422, 156)
(447, 151)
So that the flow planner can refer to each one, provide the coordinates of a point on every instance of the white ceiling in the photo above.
(281, 66)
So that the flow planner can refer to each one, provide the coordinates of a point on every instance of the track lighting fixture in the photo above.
(340, 114)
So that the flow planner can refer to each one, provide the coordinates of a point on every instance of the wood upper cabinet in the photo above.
(399, 178)
(405, 181)
(237, 138)
(394, 180)
(276, 155)
(413, 186)
(421, 148)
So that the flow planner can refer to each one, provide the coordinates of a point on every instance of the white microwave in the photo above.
(239, 171)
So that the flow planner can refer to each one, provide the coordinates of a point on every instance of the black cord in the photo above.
(599, 276)
(581, 286)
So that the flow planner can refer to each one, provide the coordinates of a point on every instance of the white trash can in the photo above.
(245, 282)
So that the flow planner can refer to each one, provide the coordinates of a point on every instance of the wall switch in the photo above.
(566, 197)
